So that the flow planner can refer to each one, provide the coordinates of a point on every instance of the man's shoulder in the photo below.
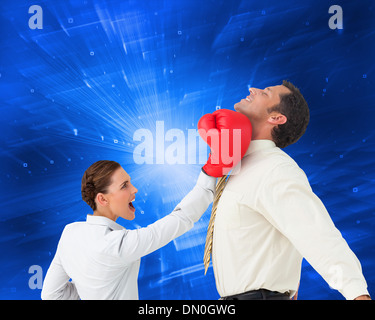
(283, 165)
(273, 161)
(277, 162)
(277, 158)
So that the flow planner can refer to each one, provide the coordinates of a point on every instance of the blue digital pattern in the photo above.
(79, 89)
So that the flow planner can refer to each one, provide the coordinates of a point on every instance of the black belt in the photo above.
(260, 294)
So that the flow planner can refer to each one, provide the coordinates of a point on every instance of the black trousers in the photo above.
(261, 294)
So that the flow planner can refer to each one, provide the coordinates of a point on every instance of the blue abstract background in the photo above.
(77, 90)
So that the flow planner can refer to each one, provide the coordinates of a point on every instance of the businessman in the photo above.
(268, 218)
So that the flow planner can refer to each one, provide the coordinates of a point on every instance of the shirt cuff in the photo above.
(206, 182)
(354, 290)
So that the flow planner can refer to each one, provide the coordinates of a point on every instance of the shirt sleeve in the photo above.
(56, 285)
(130, 245)
(287, 201)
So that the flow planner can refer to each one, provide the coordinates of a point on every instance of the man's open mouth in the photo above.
(249, 98)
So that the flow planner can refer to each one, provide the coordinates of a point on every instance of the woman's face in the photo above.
(120, 195)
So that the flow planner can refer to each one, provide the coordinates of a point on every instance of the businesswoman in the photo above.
(98, 258)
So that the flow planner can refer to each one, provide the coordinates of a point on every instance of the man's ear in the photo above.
(101, 199)
(276, 119)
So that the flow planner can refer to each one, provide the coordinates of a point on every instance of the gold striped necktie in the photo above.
(210, 231)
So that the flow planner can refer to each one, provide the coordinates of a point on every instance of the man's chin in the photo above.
(238, 108)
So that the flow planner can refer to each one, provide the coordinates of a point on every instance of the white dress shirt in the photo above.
(102, 258)
(267, 220)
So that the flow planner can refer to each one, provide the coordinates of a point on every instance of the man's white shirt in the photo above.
(267, 220)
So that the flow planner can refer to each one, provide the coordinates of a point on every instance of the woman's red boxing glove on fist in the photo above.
(228, 133)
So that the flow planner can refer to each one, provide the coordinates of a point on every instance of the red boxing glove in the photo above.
(228, 133)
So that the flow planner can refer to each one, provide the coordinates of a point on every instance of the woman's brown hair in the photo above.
(96, 179)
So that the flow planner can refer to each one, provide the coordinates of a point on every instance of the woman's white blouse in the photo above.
(102, 258)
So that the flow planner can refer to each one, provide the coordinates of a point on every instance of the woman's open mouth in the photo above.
(131, 205)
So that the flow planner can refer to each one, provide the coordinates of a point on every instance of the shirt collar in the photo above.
(257, 145)
(103, 221)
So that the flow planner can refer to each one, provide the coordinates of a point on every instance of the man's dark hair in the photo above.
(295, 108)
